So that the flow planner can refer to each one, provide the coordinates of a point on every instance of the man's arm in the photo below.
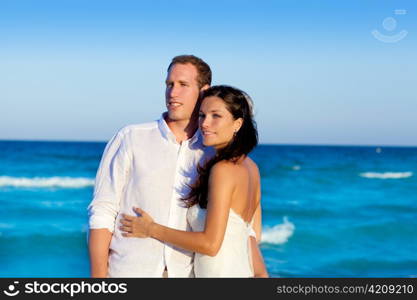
(110, 179)
(259, 268)
(258, 263)
(98, 245)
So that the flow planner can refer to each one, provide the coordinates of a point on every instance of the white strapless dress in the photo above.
(234, 258)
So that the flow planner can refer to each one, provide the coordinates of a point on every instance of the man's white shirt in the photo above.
(144, 166)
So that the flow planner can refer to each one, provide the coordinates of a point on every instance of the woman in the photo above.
(226, 197)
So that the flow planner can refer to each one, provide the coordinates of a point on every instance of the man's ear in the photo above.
(205, 87)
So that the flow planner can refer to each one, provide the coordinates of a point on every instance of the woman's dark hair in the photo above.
(239, 104)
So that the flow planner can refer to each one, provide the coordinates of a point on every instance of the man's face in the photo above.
(182, 91)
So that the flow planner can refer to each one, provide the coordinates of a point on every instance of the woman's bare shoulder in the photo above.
(224, 167)
(232, 170)
(223, 174)
(252, 165)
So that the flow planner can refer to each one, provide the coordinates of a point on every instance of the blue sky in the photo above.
(80, 70)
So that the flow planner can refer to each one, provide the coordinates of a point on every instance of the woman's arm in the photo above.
(220, 191)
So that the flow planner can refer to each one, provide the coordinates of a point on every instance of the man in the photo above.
(149, 166)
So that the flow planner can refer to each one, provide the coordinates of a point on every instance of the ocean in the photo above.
(328, 211)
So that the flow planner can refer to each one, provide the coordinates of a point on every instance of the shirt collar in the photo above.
(167, 133)
(196, 137)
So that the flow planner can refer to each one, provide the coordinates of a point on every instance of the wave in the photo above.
(279, 234)
(5, 226)
(386, 175)
(44, 182)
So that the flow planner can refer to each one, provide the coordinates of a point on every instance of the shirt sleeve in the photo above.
(110, 179)
(251, 231)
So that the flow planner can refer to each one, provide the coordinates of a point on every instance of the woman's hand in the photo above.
(136, 226)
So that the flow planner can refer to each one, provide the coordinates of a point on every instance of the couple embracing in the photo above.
(179, 197)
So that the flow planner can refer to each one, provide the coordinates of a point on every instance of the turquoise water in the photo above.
(327, 211)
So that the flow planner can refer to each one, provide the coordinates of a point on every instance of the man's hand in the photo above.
(136, 226)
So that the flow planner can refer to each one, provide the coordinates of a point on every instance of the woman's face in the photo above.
(217, 123)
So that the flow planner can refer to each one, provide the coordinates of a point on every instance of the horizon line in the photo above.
(260, 144)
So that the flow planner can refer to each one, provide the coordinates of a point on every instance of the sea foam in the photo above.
(386, 175)
(279, 234)
(44, 182)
